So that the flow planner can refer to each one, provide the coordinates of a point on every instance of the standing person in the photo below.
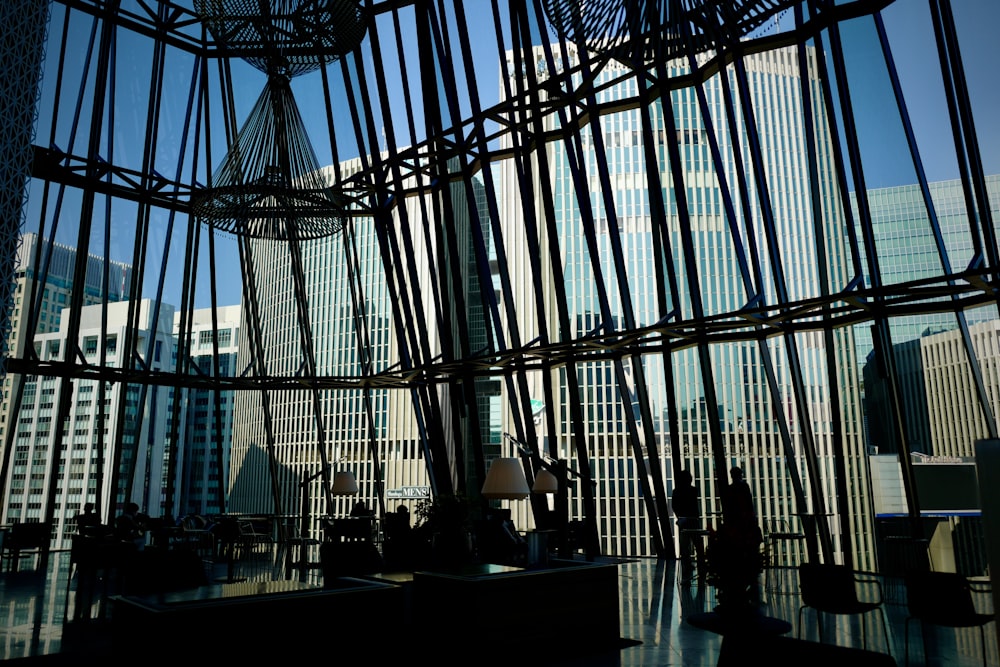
(398, 539)
(741, 538)
(738, 513)
(88, 521)
(737, 503)
(684, 501)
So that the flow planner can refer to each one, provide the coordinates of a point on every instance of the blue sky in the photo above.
(909, 29)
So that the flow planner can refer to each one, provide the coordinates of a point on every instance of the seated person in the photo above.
(130, 525)
(498, 540)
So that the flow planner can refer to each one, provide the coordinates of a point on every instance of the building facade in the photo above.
(901, 227)
(902, 230)
(746, 412)
(205, 427)
(379, 435)
(37, 257)
(94, 433)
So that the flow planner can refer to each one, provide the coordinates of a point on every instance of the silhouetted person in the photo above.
(398, 539)
(88, 521)
(401, 519)
(737, 504)
(361, 510)
(684, 501)
(738, 542)
(129, 526)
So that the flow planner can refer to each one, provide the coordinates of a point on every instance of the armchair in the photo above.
(945, 599)
(832, 589)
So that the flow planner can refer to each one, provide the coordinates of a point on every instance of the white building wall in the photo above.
(956, 420)
(34, 443)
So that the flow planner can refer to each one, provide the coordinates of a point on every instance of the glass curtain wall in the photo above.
(636, 238)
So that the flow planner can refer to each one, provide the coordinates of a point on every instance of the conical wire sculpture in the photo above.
(662, 29)
(289, 37)
(270, 185)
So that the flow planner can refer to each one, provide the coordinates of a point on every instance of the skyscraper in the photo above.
(903, 232)
(206, 420)
(44, 277)
(746, 409)
(36, 257)
(901, 224)
(92, 435)
(377, 434)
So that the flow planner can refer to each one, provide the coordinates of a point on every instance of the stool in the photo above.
(694, 536)
(778, 532)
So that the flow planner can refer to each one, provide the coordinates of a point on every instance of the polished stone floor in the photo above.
(654, 610)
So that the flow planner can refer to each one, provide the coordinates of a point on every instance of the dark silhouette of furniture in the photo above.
(349, 558)
(351, 529)
(249, 554)
(497, 541)
(944, 599)
(25, 538)
(833, 589)
(96, 563)
(776, 534)
(284, 622)
(492, 614)
(294, 548)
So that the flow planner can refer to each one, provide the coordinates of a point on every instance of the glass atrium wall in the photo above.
(690, 235)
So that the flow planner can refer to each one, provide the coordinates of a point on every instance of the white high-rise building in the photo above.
(92, 432)
(373, 433)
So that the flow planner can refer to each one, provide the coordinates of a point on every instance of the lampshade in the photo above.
(344, 484)
(505, 481)
(545, 482)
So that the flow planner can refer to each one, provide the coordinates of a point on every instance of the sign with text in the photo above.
(417, 492)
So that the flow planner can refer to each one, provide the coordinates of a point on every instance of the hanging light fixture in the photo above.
(505, 481)
(270, 185)
(291, 37)
(658, 29)
(545, 482)
(344, 484)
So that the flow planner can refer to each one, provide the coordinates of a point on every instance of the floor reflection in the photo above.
(654, 604)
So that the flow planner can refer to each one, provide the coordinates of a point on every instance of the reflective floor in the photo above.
(654, 608)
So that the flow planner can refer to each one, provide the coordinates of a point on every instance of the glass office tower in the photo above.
(745, 412)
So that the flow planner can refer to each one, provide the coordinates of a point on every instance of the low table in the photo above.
(249, 620)
(502, 614)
